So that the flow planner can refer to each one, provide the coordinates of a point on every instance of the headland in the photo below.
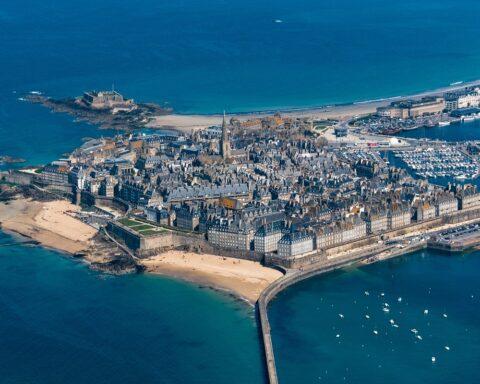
(240, 203)
(56, 223)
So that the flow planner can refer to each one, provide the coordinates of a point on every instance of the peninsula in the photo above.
(252, 204)
(226, 200)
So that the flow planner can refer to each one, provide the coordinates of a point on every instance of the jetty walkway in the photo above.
(294, 276)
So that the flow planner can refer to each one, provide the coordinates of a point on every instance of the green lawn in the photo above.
(128, 222)
(141, 227)
(149, 232)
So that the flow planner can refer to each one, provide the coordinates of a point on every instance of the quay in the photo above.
(456, 240)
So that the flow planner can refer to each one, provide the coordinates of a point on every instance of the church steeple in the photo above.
(225, 141)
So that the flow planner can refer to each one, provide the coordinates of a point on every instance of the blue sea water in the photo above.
(453, 132)
(305, 323)
(61, 322)
(206, 56)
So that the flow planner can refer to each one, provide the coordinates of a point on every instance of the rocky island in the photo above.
(5, 159)
(107, 109)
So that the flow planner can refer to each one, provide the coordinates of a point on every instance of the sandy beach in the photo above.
(190, 123)
(184, 123)
(51, 224)
(243, 278)
(48, 223)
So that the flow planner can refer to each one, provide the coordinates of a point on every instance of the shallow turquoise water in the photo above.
(306, 320)
(60, 322)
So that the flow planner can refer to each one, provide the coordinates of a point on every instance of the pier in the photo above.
(294, 276)
(463, 236)
(456, 240)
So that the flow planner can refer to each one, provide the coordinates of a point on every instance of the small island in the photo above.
(107, 109)
(11, 160)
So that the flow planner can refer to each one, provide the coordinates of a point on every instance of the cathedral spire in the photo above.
(224, 142)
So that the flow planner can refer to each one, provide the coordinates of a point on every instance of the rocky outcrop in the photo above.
(118, 266)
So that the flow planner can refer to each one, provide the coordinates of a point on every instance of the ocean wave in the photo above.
(377, 100)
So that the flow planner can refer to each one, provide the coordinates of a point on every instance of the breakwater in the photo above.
(292, 277)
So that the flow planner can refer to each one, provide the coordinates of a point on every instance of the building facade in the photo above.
(295, 244)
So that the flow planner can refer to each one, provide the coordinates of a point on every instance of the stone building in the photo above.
(445, 203)
(231, 235)
(107, 100)
(353, 228)
(328, 236)
(187, 217)
(54, 175)
(294, 244)
(468, 197)
(224, 141)
(398, 216)
(424, 210)
(267, 237)
(377, 221)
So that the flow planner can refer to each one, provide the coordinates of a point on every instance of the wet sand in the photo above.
(243, 278)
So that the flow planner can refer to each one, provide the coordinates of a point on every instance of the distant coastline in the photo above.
(312, 109)
(188, 122)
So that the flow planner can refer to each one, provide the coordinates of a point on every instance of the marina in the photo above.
(440, 161)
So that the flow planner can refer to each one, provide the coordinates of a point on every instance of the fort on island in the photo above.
(106, 100)
(300, 194)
